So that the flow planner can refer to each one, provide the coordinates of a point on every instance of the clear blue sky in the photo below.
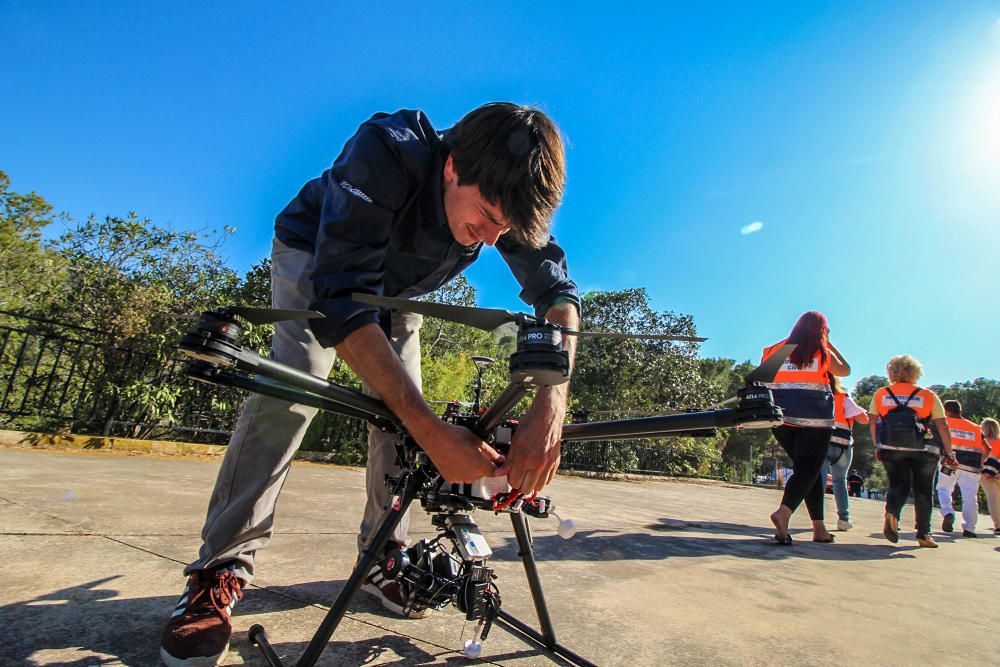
(864, 136)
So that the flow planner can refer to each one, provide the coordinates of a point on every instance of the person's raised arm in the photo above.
(457, 452)
(535, 448)
(838, 366)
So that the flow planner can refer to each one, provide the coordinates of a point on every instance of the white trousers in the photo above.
(968, 482)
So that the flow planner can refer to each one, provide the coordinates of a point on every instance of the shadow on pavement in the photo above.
(605, 546)
(88, 617)
(111, 630)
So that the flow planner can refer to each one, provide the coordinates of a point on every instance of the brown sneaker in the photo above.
(927, 542)
(890, 527)
(392, 593)
(198, 631)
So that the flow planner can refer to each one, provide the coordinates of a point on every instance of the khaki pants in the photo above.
(269, 431)
(991, 487)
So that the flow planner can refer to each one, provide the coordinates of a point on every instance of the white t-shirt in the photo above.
(851, 409)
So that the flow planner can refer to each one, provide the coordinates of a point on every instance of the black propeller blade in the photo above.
(763, 373)
(489, 319)
(767, 370)
(269, 315)
(609, 334)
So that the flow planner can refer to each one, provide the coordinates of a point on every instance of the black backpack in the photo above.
(900, 426)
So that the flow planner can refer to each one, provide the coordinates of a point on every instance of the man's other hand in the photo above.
(460, 456)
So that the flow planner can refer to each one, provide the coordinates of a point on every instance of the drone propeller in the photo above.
(486, 319)
(257, 315)
(763, 373)
(609, 334)
(489, 319)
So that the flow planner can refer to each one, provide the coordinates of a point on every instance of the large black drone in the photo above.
(453, 568)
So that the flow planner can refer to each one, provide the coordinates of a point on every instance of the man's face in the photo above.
(471, 217)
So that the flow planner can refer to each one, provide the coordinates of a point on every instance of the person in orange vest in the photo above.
(841, 450)
(802, 390)
(991, 470)
(971, 453)
(909, 428)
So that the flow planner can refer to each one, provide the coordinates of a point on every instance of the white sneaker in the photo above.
(844, 525)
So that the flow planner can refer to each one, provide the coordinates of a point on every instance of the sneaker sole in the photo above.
(374, 591)
(209, 661)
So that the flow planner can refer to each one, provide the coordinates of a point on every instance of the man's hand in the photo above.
(460, 456)
(535, 448)
(458, 453)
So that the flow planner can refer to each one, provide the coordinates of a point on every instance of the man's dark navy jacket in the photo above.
(375, 222)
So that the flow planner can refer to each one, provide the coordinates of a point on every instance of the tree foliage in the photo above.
(29, 271)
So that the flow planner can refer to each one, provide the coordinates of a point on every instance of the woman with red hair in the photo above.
(801, 389)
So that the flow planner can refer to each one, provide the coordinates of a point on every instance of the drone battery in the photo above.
(489, 487)
(470, 542)
(502, 435)
(483, 488)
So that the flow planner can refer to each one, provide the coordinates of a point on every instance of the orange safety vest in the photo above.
(967, 443)
(803, 394)
(994, 446)
(842, 426)
(922, 403)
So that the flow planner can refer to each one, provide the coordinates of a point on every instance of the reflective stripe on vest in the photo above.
(803, 394)
(841, 436)
(992, 466)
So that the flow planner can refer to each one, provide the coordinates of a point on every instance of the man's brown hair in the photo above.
(515, 155)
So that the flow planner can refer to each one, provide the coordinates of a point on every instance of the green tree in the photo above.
(132, 277)
(980, 398)
(29, 272)
(624, 376)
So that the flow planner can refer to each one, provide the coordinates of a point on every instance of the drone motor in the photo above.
(540, 359)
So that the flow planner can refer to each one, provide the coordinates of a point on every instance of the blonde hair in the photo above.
(991, 428)
(904, 368)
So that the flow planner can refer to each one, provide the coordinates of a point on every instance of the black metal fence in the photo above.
(58, 378)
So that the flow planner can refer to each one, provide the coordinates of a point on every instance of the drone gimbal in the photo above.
(452, 568)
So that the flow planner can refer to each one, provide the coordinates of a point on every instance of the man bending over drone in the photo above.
(403, 210)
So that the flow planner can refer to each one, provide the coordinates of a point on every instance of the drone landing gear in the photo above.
(411, 484)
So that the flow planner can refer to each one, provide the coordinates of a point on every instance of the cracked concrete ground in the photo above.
(660, 573)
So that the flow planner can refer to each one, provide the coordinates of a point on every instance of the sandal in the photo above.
(827, 540)
(786, 542)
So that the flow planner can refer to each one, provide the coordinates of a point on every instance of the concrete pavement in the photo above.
(660, 573)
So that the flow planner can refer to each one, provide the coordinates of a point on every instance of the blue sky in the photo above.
(865, 137)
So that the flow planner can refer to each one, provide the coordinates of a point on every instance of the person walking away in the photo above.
(971, 453)
(990, 478)
(841, 451)
(404, 209)
(911, 434)
(802, 389)
(855, 482)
